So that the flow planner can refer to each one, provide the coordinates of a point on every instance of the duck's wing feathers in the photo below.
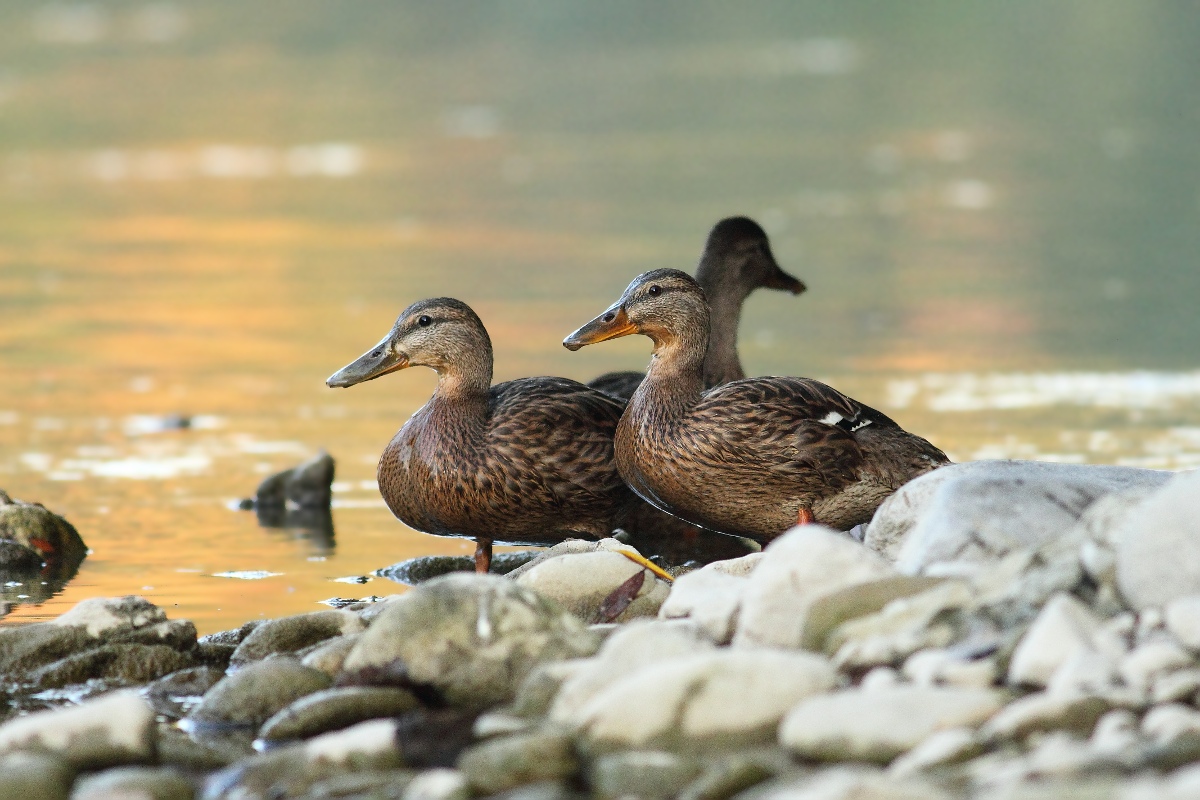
(794, 428)
(555, 434)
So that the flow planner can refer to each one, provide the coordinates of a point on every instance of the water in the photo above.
(206, 209)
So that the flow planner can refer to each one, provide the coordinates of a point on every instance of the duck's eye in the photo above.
(655, 291)
(424, 321)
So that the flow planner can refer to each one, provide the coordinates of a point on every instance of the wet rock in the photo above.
(641, 774)
(333, 709)
(438, 784)
(582, 583)
(983, 510)
(808, 581)
(174, 695)
(470, 639)
(143, 783)
(117, 728)
(711, 596)
(634, 647)
(329, 655)
(16, 558)
(254, 693)
(303, 486)
(1064, 628)
(930, 618)
(1158, 547)
(28, 775)
(1046, 711)
(34, 526)
(881, 724)
(288, 634)
(420, 569)
(726, 699)
(506, 762)
(116, 664)
(234, 636)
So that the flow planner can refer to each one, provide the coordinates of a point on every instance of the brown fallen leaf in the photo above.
(619, 598)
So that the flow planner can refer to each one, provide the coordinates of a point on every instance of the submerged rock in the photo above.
(468, 639)
(304, 486)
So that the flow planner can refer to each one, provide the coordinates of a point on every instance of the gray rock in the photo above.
(583, 582)
(570, 547)
(641, 774)
(34, 526)
(1146, 663)
(951, 746)
(1168, 722)
(947, 667)
(289, 634)
(438, 784)
(1182, 616)
(846, 783)
(1158, 547)
(506, 762)
(983, 510)
(881, 724)
(636, 646)
(303, 486)
(1175, 686)
(329, 655)
(471, 638)
(1064, 628)
(142, 783)
(930, 618)
(334, 709)
(28, 775)
(726, 776)
(1046, 711)
(16, 558)
(254, 693)
(174, 695)
(371, 784)
(116, 664)
(711, 596)
(117, 728)
(808, 581)
(412, 571)
(729, 698)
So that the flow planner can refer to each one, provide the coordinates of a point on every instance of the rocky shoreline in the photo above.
(1005, 630)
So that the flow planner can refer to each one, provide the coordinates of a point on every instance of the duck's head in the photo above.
(737, 260)
(658, 304)
(441, 333)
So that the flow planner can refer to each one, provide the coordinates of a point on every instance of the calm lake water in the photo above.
(207, 208)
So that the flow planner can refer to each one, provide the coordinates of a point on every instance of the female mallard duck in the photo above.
(528, 461)
(752, 457)
(737, 259)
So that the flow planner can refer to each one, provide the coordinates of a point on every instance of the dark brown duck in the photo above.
(737, 259)
(752, 457)
(528, 461)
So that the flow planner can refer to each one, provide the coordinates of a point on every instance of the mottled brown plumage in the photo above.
(528, 461)
(736, 260)
(751, 456)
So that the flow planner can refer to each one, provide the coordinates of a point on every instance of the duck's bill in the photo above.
(379, 360)
(612, 324)
(785, 283)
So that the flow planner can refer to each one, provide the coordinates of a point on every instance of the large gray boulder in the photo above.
(471, 639)
(1158, 545)
(982, 510)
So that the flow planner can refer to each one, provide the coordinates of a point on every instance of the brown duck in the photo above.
(752, 457)
(737, 259)
(528, 461)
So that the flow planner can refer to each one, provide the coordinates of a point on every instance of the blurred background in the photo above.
(208, 207)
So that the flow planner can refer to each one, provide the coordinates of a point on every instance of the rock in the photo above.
(1142, 666)
(1158, 547)
(1175, 686)
(729, 775)
(983, 510)
(571, 547)
(583, 583)
(506, 762)
(34, 526)
(1064, 628)
(116, 664)
(951, 746)
(927, 619)
(142, 783)
(1183, 620)
(117, 728)
(333, 709)
(847, 783)
(1167, 722)
(1045, 711)
(711, 596)
(420, 569)
(254, 693)
(362, 785)
(16, 558)
(435, 737)
(724, 699)
(303, 486)
(329, 655)
(636, 646)
(810, 580)
(945, 667)
(438, 784)
(174, 695)
(470, 638)
(641, 774)
(288, 634)
(881, 724)
(537, 692)
(26, 775)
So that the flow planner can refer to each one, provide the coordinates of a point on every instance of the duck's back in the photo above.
(535, 467)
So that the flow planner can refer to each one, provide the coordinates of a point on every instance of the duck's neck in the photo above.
(463, 388)
(721, 363)
(675, 378)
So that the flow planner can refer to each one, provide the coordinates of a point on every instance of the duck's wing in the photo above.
(555, 434)
(789, 428)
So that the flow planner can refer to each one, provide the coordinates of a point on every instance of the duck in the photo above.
(527, 461)
(753, 457)
(736, 260)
